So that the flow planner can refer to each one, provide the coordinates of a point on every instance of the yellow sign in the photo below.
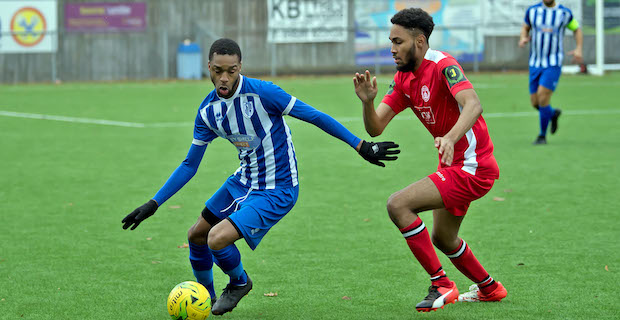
(28, 26)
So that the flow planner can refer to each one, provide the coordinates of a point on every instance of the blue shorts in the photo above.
(546, 77)
(252, 212)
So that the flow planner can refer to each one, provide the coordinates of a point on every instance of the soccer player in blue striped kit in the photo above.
(250, 114)
(547, 22)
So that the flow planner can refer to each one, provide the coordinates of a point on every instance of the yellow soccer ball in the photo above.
(189, 300)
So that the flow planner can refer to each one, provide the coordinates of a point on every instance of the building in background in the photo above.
(118, 40)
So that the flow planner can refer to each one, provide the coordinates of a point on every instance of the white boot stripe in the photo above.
(439, 302)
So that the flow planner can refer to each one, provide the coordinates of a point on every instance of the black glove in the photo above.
(142, 212)
(375, 151)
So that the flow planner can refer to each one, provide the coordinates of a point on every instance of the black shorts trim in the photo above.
(236, 228)
(210, 217)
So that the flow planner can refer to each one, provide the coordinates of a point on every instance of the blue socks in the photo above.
(545, 114)
(229, 260)
(202, 263)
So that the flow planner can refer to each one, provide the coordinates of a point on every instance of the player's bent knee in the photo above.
(397, 204)
(437, 242)
(218, 239)
(396, 207)
(391, 206)
(393, 202)
(196, 237)
(444, 243)
(215, 241)
(223, 235)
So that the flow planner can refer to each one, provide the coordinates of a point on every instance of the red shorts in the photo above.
(459, 188)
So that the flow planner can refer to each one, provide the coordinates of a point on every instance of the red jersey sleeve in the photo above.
(453, 76)
(395, 98)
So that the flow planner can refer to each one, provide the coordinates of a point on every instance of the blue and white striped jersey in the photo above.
(252, 120)
(547, 30)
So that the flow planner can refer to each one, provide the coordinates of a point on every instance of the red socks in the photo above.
(464, 260)
(420, 244)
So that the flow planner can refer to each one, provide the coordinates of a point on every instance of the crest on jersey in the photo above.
(248, 109)
(219, 117)
(426, 93)
(454, 75)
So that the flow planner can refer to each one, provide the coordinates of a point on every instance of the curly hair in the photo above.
(415, 18)
(225, 46)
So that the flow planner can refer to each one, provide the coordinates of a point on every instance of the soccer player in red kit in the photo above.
(432, 84)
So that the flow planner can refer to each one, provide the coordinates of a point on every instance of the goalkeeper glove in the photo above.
(142, 212)
(375, 151)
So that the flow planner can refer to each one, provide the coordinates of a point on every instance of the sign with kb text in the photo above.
(293, 21)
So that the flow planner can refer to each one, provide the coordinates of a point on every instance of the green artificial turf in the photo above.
(548, 230)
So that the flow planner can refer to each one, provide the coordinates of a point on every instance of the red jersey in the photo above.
(429, 92)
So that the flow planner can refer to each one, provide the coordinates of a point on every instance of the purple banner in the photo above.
(105, 16)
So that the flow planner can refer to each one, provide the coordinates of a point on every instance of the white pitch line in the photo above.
(488, 85)
(534, 113)
(292, 120)
(505, 114)
(71, 119)
(170, 124)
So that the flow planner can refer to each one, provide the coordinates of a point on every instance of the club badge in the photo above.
(248, 109)
(426, 93)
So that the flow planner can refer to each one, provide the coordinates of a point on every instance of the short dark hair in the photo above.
(415, 18)
(225, 46)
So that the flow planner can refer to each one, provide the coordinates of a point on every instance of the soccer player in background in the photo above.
(547, 21)
(431, 83)
(250, 114)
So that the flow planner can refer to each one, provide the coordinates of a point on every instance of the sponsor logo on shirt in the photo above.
(426, 93)
(244, 141)
(546, 28)
(426, 114)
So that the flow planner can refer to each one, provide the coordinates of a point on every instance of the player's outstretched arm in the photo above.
(177, 180)
(139, 214)
(375, 152)
(372, 152)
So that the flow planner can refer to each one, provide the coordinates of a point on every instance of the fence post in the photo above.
(476, 32)
(600, 37)
(54, 50)
(164, 36)
(377, 51)
(273, 59)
